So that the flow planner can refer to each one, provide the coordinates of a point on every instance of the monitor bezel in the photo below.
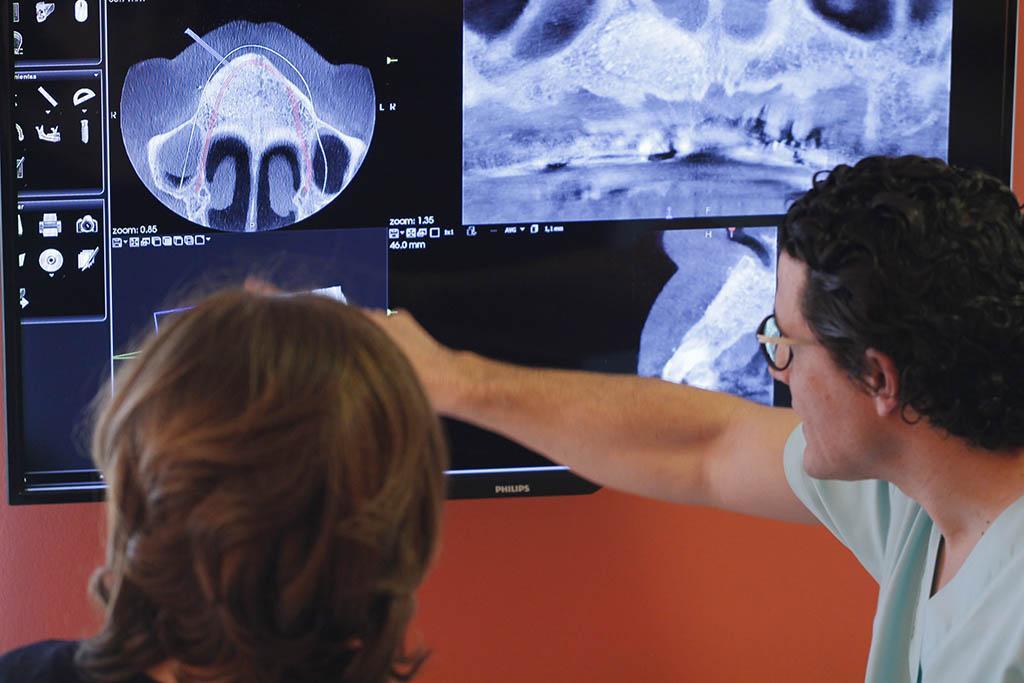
(982, 113)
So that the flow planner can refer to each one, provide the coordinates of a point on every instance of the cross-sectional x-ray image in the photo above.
(162, 317)
(701, 328)
(248, 129)
(627, 109)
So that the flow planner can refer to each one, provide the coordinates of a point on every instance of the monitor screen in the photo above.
(584, 184)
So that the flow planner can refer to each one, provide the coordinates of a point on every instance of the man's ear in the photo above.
(883, 381)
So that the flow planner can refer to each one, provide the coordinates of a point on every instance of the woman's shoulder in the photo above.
(49, 661)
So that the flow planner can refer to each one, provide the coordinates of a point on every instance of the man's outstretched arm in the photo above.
(641, 435)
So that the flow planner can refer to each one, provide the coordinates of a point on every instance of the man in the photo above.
(899, 328)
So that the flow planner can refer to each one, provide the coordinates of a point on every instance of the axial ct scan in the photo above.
(628, 109)
(248, 129)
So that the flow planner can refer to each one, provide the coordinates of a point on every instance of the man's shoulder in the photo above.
(49, 661)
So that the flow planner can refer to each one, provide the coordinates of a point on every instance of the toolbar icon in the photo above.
(81, 11)
(21, 132)
(52, 136)
(44, 10)
(47, 96)
(82, 96)
(87, 258)
(50, 226)
(20, 168)
(86, 225)
(17, 12)
(23, 298)
(19, 44)
(51, 261)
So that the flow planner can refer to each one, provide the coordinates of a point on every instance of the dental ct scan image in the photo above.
(581, 184)
(249, 117)
(625, 109)
(248, 129)
(698, 330)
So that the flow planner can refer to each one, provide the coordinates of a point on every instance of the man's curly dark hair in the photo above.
(924, 262)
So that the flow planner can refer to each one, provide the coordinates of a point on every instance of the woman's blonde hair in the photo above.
(275, 483)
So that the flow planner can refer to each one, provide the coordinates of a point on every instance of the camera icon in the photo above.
(86, 225)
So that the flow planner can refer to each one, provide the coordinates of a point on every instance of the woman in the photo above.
(275, 480)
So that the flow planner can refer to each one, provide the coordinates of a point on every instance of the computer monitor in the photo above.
(588, 184)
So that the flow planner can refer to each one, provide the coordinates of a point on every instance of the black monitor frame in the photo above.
(981, 136)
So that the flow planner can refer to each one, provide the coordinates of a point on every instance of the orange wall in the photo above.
(599, 588)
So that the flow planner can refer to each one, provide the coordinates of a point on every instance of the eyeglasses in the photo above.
(777, 349)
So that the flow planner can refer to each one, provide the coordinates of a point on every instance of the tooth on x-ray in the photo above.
(257, 132)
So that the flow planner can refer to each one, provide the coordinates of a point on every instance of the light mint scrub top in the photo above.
(972, 629)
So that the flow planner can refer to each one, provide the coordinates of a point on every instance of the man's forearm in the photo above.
(641, 435)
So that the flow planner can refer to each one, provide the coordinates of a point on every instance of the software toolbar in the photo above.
(59, 111)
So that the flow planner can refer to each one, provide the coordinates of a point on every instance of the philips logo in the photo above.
(514, 488)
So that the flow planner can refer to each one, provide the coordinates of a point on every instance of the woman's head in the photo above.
(275, 480)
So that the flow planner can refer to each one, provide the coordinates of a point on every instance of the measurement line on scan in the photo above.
(206, 46)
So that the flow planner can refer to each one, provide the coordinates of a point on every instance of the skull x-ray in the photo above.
(248, 129)
(700, 330)
(626, 109)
